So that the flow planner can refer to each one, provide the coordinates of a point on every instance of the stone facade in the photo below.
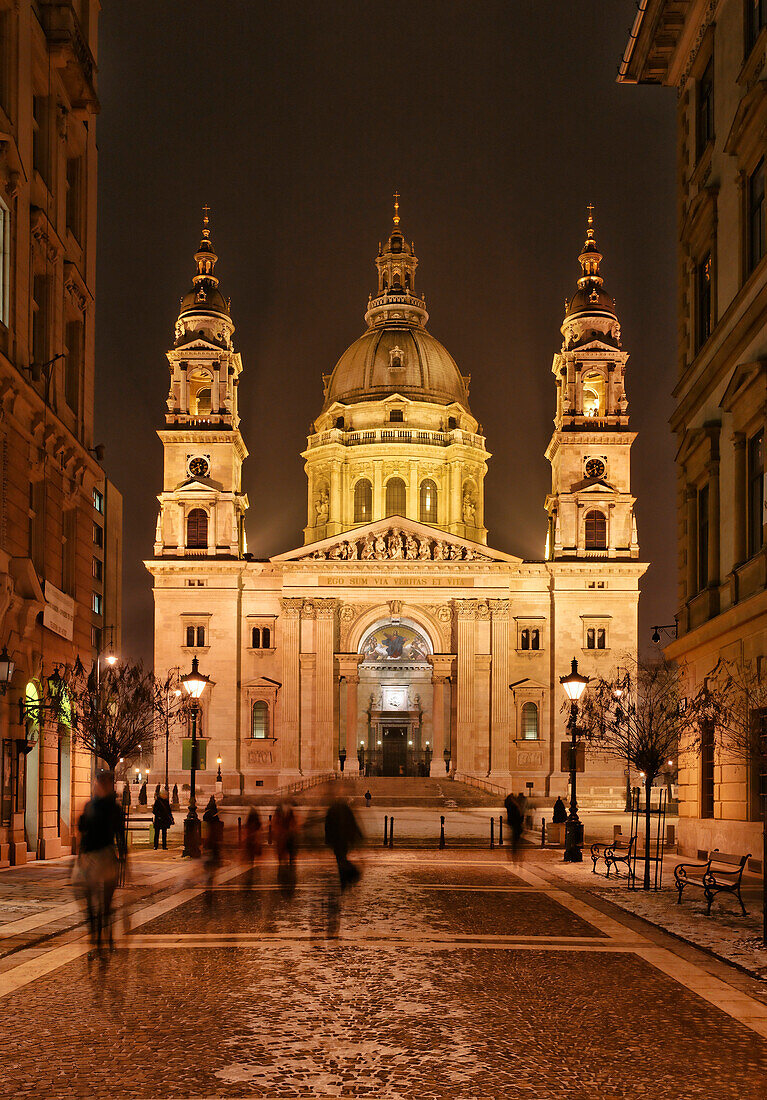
(60, 521)
(714, 55)
(395, 638)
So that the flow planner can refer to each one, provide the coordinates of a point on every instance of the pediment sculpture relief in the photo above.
(397, 545)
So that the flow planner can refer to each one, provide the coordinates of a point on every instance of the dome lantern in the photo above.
(205, 299)
(590, 298)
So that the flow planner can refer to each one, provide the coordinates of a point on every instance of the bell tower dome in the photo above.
(590, 507)
(202, 505)
(396, 435)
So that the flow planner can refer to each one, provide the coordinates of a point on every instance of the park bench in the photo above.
(613, 854)
(720, 874)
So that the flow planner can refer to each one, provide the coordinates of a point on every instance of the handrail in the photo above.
(304, 784)
(481, 784)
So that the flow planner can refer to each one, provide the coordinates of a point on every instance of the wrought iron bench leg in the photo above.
(709, 899)
(740, 899)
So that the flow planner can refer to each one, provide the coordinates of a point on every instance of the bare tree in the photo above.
(642, 717)
(114, 715)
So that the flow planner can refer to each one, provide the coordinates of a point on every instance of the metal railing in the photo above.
(481, 784)
(396, 435)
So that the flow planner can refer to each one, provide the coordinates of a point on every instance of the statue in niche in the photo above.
(379, 548)
(322, 507)
(351, 551)
(368, 551)
(469, 508)
(439, 551)
(424, 549)
(395, 545)
(411, 547)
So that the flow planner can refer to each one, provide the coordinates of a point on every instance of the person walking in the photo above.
(102, 841)
(368, 799)
(212, 842)
(162, 818)
(285, 834)
(559, 814)
(514, 818)
(253, 843)
(342, 833)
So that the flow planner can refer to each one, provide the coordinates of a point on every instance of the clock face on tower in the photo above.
(595, 467)
(199, 466)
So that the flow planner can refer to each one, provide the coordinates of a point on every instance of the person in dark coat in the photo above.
(252, 843)
(162, 818)
(342, 833)
(213, 842)
(368, 799)
(559, 815)
(102, 843)
(514, 818)
(174, 795)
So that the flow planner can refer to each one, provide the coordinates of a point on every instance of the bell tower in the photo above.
(202, 505)
(590, 507)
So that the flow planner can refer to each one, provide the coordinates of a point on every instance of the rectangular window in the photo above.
(707, 769)
(705, 117)
(97, 602)
(755, 198)
(195, 637)
(96, 638)
(5, 259)
(755, 493)
(703, 299)
(73, 368)
(702, 538)
(40, 309)
(756, 16)
(98, 569)
(41, 135)
(74, 196)
(98, 535)
(98, 501)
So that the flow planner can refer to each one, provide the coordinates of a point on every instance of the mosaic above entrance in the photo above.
(393, 643)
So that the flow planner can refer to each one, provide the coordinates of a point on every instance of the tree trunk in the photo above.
(648, 789)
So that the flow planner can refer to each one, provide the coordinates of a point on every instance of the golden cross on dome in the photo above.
(205, 220)
(590, 230)
(396, 208)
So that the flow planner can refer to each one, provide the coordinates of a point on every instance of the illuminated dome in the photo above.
(590, 297)
(396, 358)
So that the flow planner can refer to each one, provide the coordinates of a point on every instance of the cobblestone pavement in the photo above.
(444, 975)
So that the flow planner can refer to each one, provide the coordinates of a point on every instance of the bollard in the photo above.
(386, 831)
(269, 831)
(391, 832)
(239, 830)
(543, 833)
(500, 832)
(492, 832)
(442, 831)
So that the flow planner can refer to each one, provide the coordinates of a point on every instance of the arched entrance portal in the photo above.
(396, 692)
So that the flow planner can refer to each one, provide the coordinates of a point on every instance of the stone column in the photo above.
(739, 534)
(290, 709)
(412, 492)
(334, 516)
(500, 705)
(463, 751)
(441, 666)
(378, 493)
(324, 680)
(692, 541)
(714, 533)
(348, 665)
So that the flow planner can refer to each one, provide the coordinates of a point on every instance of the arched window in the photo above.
(363, 501)
(395, 497)
(593, 394)
(260, 719)
(529, 722)
(203, 401)
(266, 637)
(524, 639)
(256, 637)
(596, 531)
(428, 501)
(197, 529)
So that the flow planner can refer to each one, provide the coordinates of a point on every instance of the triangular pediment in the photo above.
(195, 484)
(593, 485)
(395, 539)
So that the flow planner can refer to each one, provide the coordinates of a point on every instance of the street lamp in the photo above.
(574, 685)
(194, 683)
(218, 773)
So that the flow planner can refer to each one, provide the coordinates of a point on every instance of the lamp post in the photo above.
(194, 683)
(176, 692)
(574, 685)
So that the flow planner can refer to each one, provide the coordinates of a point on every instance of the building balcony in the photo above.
(68, 47)
(409, 436)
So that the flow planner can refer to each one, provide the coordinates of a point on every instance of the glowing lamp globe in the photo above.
(574, 684)
(194, 681)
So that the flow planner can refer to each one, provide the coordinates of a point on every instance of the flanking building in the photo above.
(714, 54)
(60, 522)
(395, 637)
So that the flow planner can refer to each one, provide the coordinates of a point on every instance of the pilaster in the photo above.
(463, 756)
(500, 712)
(290, 630)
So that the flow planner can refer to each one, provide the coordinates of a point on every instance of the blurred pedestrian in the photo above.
(142, 796)
(559, 814)
(213, 840)
(126, 796)
(253, 844)
(368, 799)
(102, 842)
(285, 834)
(341, 834)
(174, 797)
(162, 818)
(514, 818)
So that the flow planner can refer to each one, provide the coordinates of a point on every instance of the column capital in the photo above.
(499, 609)
(291, 607)
(466, 609)
(348, 665)
(441, 666)
(325, 608)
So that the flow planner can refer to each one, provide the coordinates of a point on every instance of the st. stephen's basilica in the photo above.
(395, 636)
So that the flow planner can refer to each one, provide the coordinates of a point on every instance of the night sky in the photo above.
(497, 121)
